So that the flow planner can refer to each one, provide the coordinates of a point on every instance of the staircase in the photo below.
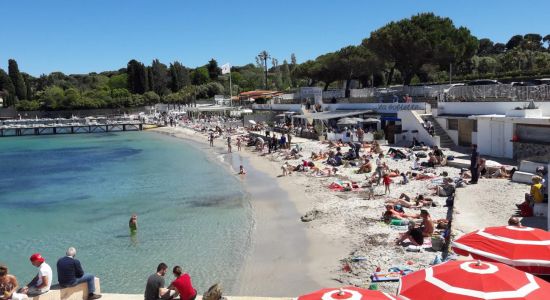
(445, 140)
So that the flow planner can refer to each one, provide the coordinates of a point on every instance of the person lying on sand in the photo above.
(501, 173)
(445, 189)
(392, 213)
(417, 234)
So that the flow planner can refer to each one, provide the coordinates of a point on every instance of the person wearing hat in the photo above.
(70, 273)
(42, 282)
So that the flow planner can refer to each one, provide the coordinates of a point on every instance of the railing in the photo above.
(498, 92)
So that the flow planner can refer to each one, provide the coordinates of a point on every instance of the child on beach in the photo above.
(241, 170)
(239, 144)
(387, 181)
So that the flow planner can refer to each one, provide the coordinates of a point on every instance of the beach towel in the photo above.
(393, 274)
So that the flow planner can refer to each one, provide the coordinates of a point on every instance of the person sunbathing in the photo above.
(417, 234)
(366, 167)
(314, 156)
(392, 213)
(500, 173)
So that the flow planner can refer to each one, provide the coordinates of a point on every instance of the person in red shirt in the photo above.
(387, 181)
(183, 285)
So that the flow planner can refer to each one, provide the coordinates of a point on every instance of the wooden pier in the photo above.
(68, 129)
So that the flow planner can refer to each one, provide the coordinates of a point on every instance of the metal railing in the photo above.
(497, 92)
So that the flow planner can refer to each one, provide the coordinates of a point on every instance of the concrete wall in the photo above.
(531, 152)
(410, 121)
(486, 108)
(379, 107)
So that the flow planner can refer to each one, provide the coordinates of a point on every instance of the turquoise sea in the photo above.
(80, 190)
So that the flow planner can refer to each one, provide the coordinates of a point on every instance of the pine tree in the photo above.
(179, 76)
(17, 80)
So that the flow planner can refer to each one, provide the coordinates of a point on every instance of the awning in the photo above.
(391, 119)
(327, 115)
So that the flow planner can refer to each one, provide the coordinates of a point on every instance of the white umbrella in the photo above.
(347, 121)
(252, 122)
(372, 120)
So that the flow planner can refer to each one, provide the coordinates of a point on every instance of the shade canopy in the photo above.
(472, 280)
(347, 293)
(525, 248)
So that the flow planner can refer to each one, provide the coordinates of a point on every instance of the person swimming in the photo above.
(133, 223)
(241, 170)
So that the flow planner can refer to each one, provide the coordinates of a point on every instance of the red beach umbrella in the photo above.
(346, 293)
(524, 248)
(472, 280)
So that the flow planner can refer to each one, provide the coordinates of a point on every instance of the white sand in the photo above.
(347, 226)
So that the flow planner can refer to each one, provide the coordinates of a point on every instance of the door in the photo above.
(497, 139)
(465, 128)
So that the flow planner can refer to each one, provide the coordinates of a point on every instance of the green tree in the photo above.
(213, 70)
(425, 38)
(17, 80)
(52, 97)
(151, 97)
(118, 81)
(514, 42)
(485, 47)
(179, 76)
(200, 76)
(137, 77)
(546, 39)
(8, 88)
(26, 105)
(159, 73)
(532, 41)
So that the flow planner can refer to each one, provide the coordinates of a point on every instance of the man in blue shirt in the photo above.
(70, 273)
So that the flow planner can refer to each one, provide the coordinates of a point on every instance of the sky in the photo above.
(82, 36)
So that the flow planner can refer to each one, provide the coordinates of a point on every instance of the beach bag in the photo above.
(213, 293)
(450, 157)
(421, 154)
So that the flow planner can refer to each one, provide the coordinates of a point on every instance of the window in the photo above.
(452, 124)
(474, 126)
(533, 133)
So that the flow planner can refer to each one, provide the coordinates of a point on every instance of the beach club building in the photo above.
(503, 120)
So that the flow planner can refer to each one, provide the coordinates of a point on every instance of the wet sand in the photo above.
(287, 258)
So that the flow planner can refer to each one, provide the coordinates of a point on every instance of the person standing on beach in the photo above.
(387, 183)
(239, 144)
(211, 139)
(229, 144)
(380, 167)
(474, 163)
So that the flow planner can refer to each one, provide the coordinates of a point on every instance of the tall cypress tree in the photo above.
(137, 78)
(159, 72)
(7, 87)
(179, 76)
(17, 80)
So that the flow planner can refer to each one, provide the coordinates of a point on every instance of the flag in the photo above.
(226, 69)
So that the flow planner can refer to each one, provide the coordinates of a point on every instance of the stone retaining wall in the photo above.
(531, 152)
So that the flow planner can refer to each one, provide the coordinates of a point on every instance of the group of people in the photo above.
(69, 273)
(181, 286)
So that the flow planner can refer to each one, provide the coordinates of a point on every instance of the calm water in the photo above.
(80, 191)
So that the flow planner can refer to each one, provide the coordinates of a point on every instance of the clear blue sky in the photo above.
(78, 36)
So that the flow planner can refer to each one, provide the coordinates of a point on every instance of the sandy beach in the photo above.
(346, 242)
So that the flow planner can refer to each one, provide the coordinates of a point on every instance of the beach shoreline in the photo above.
(286, 257)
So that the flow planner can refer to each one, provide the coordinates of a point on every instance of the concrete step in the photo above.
(522, 177)
(529, 166)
